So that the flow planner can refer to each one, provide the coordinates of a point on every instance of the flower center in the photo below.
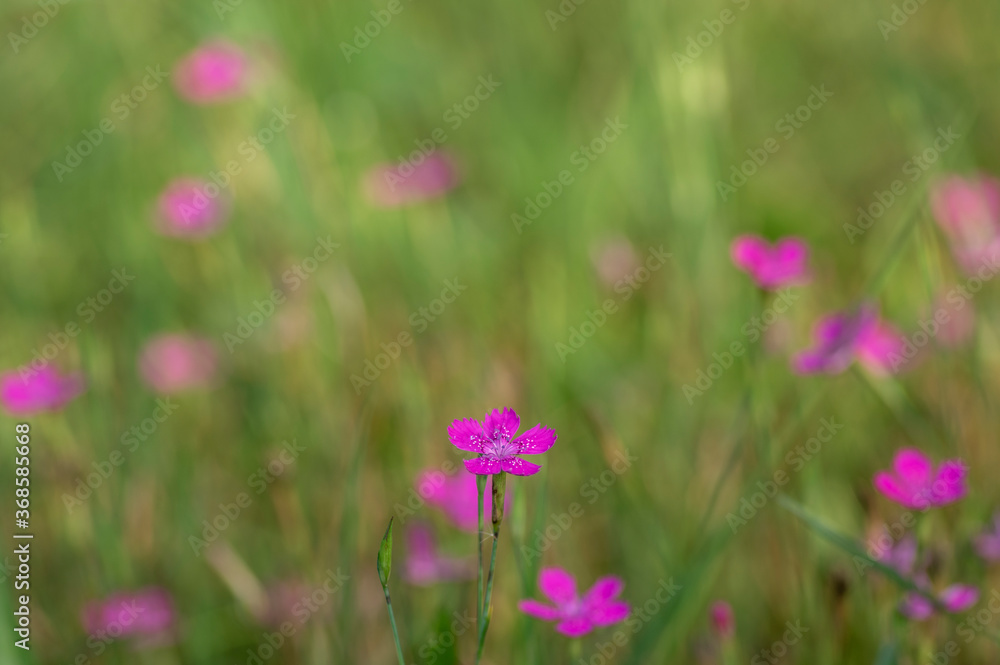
(501, 445)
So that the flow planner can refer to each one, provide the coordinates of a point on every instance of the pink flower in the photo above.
(772, 267)
(456, 497)
(988, 542)
(425, 566)
(214, 72)
(968, 211)
(843, 337)
(411, 182)
(955, 598)
(577, 615)
(901, 557)
(147, 613)
(188, 209)
(914, 483)
(174, 363)
(494, 441)
(721, 615)
(39, 390)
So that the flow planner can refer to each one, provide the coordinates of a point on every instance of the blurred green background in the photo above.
(686, 126)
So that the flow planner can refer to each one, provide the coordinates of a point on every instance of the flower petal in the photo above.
(949, 483)
(603, 590)
(916, 607)
(539, 610)
(749, 252)
(467, 435)
(557, 585)
(890, 487)
(575, 627)
(912, 467)
(501, 425)
(535, 441)
(610, 613)
(519, 467)
(959, 597)
(483, 466)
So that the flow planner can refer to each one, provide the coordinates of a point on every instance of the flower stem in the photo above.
(499, 493)
(395, 633)
(480, 488)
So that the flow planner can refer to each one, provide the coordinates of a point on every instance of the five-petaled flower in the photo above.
(914, 483)
(577, 615)
(498, 449)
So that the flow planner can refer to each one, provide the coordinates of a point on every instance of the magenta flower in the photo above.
(987, 543)
(577, 615)
(191, 208)
(425, 566)
(955, 598)
(723, 621)
(174, 363)
(147, 614)
(772, 266)
(456, 497)
(494, 441)
(914, 483)
(968, 211)
(214, 72)
(412, 181)
(39, 390)
(844, 337)
(901, 557)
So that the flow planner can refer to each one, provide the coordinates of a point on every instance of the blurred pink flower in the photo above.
(914, 483)
(613, 260)
(723, 622)
(174, 362)
(187, 208)
(772, 266)
(968, 211)
(216, 71)
(901, 557)
(843, 337)
(39, 390)
(494, 441)
(988, 542)
(955, 598)
(456, 497)
(390, 186)
(577, 615)
(147, 614)
(425, 566)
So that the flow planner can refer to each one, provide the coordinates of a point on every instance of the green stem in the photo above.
(480, 488)
(499, 494)
(392, 622)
